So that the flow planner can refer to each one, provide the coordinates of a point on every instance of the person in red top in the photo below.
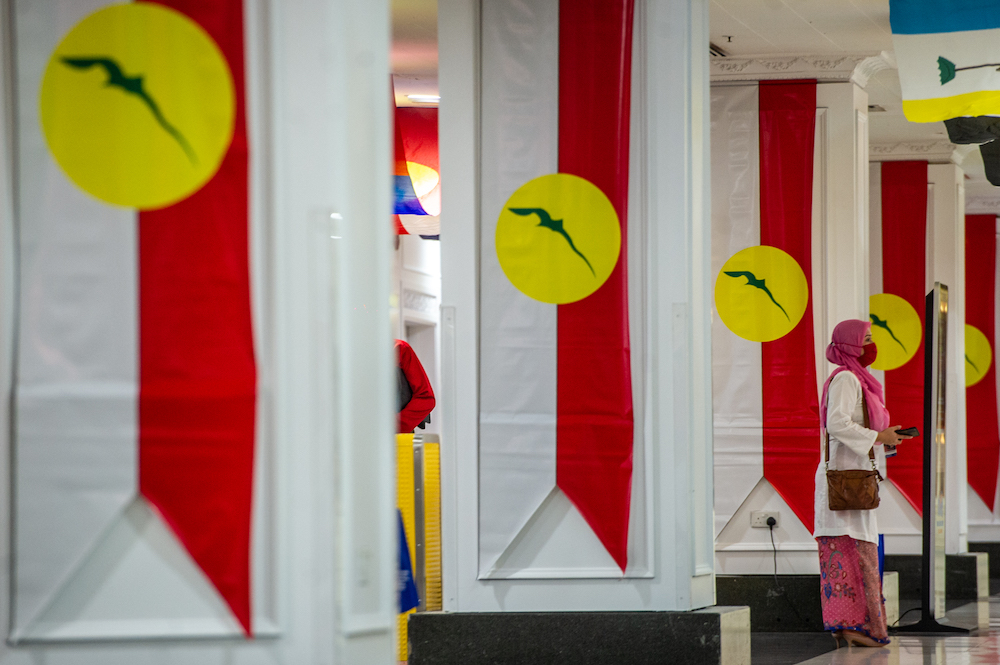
(416, 396)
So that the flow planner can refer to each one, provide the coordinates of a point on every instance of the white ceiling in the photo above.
(414, 57)
(753, 27)
(822, 27)
(740, 28)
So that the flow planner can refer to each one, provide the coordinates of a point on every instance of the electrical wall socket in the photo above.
(758, 518)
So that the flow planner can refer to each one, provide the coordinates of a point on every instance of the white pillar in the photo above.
(840, 256)
(946, 253)
(318, 110)
(680, 294)
(672, 44)
(458, 122)
(840, 212)
(842, 181)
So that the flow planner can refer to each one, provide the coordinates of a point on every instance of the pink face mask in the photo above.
(869, 355)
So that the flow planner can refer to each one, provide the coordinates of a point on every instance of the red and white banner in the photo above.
(899, 229)
(764, 365)
(556, 411)
(983, 437)
(136, 378)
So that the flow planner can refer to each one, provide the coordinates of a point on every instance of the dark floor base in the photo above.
(961, 575)
(791, 605)
(993, 549)
(789, 648)
(577, 638)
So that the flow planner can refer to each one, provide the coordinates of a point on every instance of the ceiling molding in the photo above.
(940, 152)
(856, 67)
(982, 205)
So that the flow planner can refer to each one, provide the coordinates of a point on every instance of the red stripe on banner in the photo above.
(904, 233)
(196, 361)
(594, 394)
(982, 436)
(419, 129)
(789, 395)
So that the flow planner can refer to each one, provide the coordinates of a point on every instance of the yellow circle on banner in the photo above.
(137, 105)
(761, 293)
(978, 355)
(558, 238)
(896, 330)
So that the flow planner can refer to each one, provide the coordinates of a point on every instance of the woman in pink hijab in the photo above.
(852, 411)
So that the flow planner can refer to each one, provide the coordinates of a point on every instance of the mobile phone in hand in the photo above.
(909, 431)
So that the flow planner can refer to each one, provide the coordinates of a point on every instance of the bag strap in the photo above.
(864, 409)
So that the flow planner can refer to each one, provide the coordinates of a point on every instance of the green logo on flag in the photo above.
(970, 362)
(753, 314)
(978, 353)
(882, 323)
(553, 225)
(138, 105)
(578, 217)
(133, 85)
(947, 68)
(757, 283)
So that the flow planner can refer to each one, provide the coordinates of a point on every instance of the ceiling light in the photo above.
(424, 99)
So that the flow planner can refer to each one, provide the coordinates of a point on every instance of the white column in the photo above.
(318, 110)
(840, 257)
(672, 44)
(8, 290)
(840, 211)
(458, 123)
(946, 254)
(680, 294)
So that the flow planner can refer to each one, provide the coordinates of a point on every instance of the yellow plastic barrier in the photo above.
(428, 578)
(432, 526)
(404, 500)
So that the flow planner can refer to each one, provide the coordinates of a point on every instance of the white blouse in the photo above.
(850, 442)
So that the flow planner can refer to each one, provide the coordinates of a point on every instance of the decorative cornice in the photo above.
(856, 67)
(940, 152)
(872, 65)
(419, 302)
(982, 205)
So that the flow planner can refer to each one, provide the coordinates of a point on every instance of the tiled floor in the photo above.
(982, 646)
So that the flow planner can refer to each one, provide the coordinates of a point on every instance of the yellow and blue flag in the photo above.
(948, 53)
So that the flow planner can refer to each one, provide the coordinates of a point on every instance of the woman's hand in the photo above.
(889, 436)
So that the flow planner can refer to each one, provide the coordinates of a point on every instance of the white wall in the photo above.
(319, 126)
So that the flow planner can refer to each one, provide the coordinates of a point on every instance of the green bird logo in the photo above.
(947, 68)
(132, 85)
(882, 323)
(757, 283)
(555, 225)
(968, 360)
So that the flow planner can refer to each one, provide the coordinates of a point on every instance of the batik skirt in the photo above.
(850, 587)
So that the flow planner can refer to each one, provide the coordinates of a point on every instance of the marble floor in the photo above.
(981, 646)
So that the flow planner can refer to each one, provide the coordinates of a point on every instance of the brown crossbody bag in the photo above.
(853, 489)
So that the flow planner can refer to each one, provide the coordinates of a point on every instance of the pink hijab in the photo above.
(845, 349)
